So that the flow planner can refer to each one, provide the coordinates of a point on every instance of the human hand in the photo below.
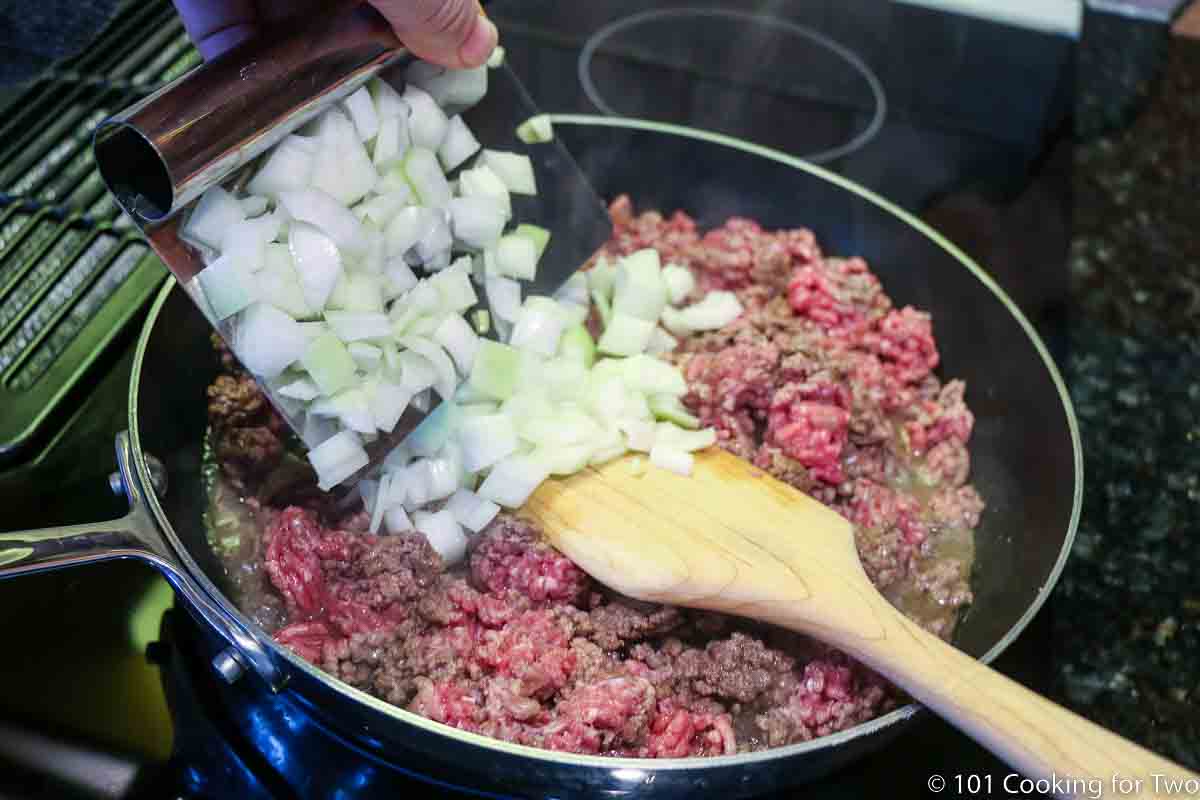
(453, 33)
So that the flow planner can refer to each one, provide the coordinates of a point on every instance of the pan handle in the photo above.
(136, 536)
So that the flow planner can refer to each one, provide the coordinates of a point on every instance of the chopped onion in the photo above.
(388, 402)
(398, 278)
(287, 167)
(516, 257)
(361, 109)
(351, 326)
(342, 167)
(366, 356)
(388, 102)
(668, 407)
(668, 458)
(432, 352)
(574, 291)
(504, 298)
(428, 122)
(380, 506)
(639, 290)
(625, 336)
(514, 169)
(639, 434)
(227, 287)
(714, 312)
(485, 440)
(392, 142)
(676, 438)
(337, 458)
(397, 520)
(456, 336)
(299, 389)
(458, 145)
(680, 282)
(424, 174)
(601, 277)
(267, 341)
(536, 130)
(652, 376)
(539, 326)
(329, 364)
(254, 205)
(661, 342)
(476, 221)
(482, 181)
(496, 59)
(215, 212)
(494, 371)
(433, 432)
(409, 226)
(317, 262)
(453, 89)
(359, 292)
(334, 219)
(512, 480)
(443, 534)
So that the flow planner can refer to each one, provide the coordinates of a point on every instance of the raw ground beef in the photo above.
(821, 382)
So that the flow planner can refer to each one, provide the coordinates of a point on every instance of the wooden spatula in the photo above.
(731, 538)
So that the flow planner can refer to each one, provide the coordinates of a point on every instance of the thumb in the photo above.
(453, 33)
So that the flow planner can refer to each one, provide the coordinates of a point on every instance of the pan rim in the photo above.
(894, 717)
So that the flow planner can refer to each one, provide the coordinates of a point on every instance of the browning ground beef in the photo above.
(822, 382)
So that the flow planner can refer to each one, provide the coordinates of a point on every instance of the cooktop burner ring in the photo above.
(858, 141)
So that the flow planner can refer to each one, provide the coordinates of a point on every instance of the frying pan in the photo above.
(1026, 463)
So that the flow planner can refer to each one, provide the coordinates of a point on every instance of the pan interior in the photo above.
(1025, 452)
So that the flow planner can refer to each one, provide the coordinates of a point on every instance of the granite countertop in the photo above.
(1127, 609)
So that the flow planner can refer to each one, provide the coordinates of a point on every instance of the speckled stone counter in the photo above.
(1127, 610)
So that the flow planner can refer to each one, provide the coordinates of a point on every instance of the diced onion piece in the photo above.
(563, 459)
(380, 504)
(361, 109)
(267, 341)
(669, 408)
(496, 59)
(574, 291)
(679, 461)
(514, 169)
(354, 410)
(342, 167)
(366, 356)
(353, 326)
(431, 435)
(388, 403)
(481, 320)
(539, 326)
(482, 181)
(483, 515)
(432, 352)
(327, 213)
(279, 284)
(245, 242)
(317, 263)
(458, 145)
(516, 257)
(329, 363)
(337, 458)
(504, 298)
(677, 438)
(456, 336)
(541, 239)
(476, 222)
(398, 278)
(428, 122)
(513, 480)
(388, 102)
(228, 288)
(299, 389)
(639, 290)
(408, 226)
(576, 344)
(381, 209)
(287, 167)
(443, 533)
(453, 285)
(715, 311)
(536, 130)
(396, 519)
(652, 376)
(462, 504)
(359, 292)
(424, 174)
(254, 205)
(485, 440)
(317, 429)
(661, 342)
(453, 89)
(625, 336)
(639, 434)
(391, 143)
(215, 212)
(680, 282)
(601, 277)
(494, 372)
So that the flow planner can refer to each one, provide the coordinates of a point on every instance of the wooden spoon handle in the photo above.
(1039, 738)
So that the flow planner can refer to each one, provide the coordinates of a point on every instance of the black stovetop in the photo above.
(85, 711)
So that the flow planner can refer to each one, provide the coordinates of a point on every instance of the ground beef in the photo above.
(821, 382)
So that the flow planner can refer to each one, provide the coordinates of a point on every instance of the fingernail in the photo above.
(479, 45)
